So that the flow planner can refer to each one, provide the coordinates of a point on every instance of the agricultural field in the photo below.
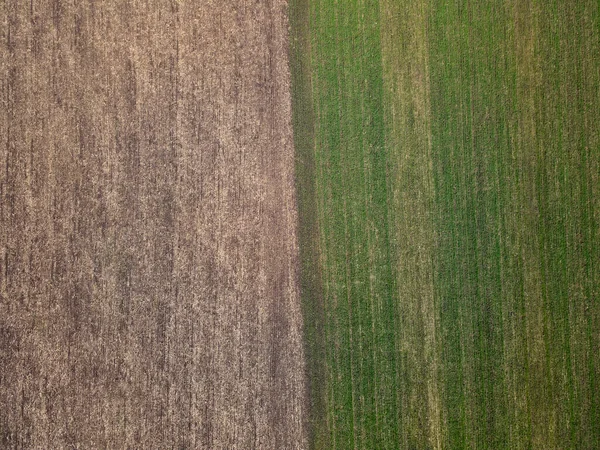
(148, 253)
(327, 224)
(447, 171)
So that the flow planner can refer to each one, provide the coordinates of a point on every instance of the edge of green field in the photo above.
(311, 287)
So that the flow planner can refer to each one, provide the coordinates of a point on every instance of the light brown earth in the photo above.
(148, 255)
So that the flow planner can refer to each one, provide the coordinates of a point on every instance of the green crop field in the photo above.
(448, 177)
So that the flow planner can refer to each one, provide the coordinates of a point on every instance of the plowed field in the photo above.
(148, 255)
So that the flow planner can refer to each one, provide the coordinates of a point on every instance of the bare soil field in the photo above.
(148, 252)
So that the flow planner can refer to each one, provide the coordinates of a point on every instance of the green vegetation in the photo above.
(448, 172)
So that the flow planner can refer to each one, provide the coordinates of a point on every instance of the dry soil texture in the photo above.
(148, 255)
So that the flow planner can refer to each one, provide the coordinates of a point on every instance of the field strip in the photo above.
(456, 160)
(149, 260)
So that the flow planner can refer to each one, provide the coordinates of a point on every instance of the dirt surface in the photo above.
(148, 255)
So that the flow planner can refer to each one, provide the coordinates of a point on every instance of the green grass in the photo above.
(448, 163)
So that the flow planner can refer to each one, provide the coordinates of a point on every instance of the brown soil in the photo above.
(148, 256)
